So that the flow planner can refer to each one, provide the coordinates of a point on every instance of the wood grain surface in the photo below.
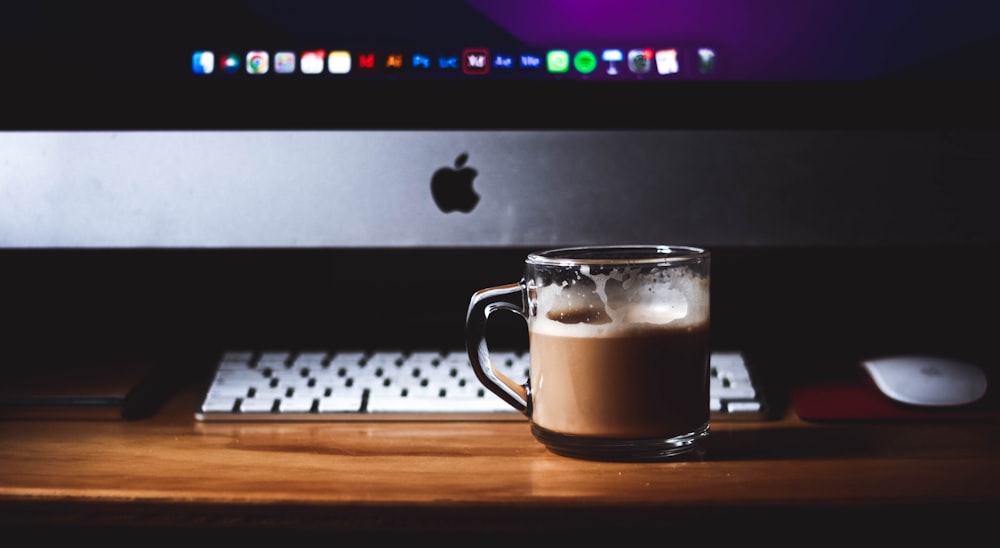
(170, 471)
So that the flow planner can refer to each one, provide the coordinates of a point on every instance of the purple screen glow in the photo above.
(773, 39)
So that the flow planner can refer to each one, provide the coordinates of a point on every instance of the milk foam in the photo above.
(630, 297)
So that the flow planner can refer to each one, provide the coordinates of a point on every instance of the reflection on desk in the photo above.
(172, 473)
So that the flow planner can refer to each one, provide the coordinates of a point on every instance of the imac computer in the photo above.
(206, 175)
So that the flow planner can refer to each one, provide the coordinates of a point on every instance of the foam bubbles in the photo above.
(604, 302)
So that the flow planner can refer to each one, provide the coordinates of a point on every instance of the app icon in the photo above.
(258, 62)
(530, 61)
(312, 62)
(230, 63)
(666, 61)
(585, 61)
(612, 57)
(202, 62)
(475, 61)
(284, 62)
(503, 61)
(639, 60)
(366, 61)
(448, 62)
(338, 62)
(706, 60)
(394, 61)
(557, 61)
(421, 61)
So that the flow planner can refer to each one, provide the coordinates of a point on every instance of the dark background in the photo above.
(801, 314)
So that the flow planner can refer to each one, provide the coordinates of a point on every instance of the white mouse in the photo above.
(930, 381)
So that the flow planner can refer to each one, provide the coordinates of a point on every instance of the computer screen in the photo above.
(310, 124)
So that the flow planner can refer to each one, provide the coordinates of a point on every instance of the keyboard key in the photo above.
(734, 392)
(296, 404)
(257, 405)
(221, 404)
(743, 406)
(342, 401)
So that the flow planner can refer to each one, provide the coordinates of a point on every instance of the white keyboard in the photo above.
(406, 385)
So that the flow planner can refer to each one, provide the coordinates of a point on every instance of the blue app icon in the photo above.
(421, 61)
(202, 62)
(530, 61)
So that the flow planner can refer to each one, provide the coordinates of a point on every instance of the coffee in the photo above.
(647, 381)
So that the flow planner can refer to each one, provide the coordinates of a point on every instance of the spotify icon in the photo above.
(585, 61)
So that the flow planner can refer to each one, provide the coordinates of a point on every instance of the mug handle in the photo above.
(509, 297)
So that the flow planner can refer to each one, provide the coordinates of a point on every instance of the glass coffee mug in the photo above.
(619, 350)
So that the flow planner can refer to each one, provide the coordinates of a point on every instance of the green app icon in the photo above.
(557, 60)
(585, 61)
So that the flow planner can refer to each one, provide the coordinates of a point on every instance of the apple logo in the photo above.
(452, 189)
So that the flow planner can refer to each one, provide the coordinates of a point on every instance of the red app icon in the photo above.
(366, 61)
(312, 62)
(475, 61)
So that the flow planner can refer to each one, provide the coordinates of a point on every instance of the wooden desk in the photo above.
(171, 473)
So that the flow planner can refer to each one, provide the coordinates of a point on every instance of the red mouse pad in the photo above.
(849, 401)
